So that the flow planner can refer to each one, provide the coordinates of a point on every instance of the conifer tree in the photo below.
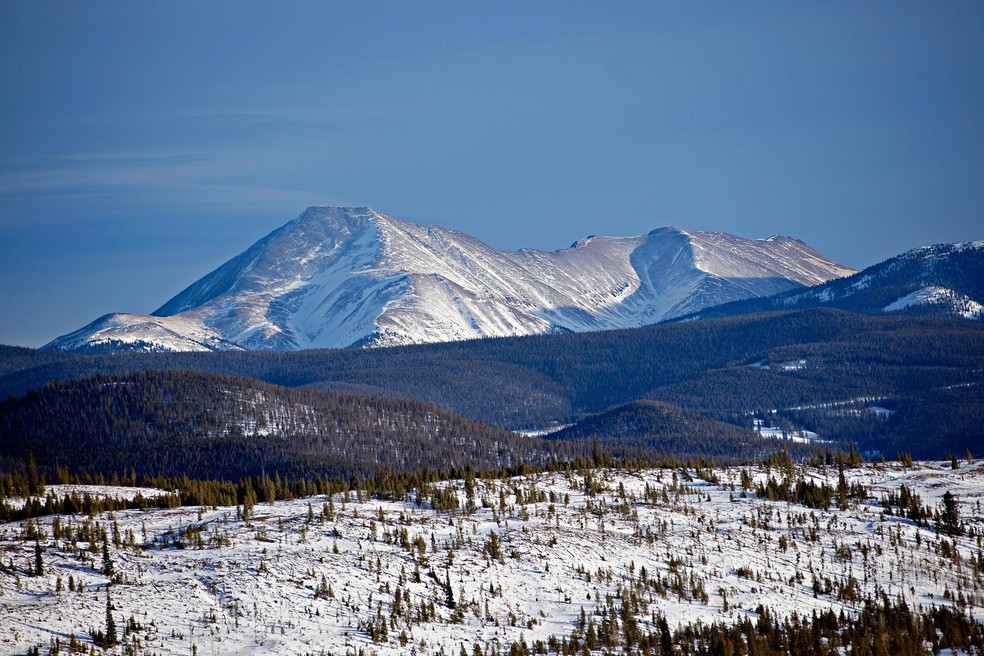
(111, 637)
(950, 517)
(448, 589)
(108, 568)
(249, 500)
(38, 560)
(34, 485)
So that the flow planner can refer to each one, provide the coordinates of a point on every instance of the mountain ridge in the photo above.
(806, 364)
(943, 280)
(182, 423)
(337, 277)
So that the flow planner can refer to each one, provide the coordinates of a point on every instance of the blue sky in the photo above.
(144, 143)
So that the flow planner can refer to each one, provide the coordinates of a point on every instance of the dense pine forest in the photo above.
(645, 429)
(162, 424)
(820, 370)
(206, 426)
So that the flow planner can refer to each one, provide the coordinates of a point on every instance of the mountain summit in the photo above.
(337, 277)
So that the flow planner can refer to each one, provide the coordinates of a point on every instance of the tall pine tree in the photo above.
(108, 568)
(950, 517)
(38, 560)
(111, 637)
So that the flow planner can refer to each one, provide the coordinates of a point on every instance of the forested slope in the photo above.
(207, 426)
(722, 368)
(653, 428)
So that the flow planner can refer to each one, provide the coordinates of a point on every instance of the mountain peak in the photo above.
(329, 213)
(668, 230)
(338, 276)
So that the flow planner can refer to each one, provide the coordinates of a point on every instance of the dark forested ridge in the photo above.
(652, 428)
(809, 361)
(15, 359)
(207, 426)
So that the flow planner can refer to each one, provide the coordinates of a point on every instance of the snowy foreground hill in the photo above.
(337, 277)
(599, 557)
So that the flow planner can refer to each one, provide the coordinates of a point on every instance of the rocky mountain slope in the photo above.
(946, 280)
(337, 277)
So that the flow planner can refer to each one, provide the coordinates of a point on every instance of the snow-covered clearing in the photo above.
(116, 492)
(320, 576)
(799, 435)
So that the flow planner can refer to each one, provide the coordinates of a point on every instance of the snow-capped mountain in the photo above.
(945, 280)
(337, 277)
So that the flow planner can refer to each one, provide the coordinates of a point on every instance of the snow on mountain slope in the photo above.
(336, 277)
(113, 333)
(955, 302)
(945, 280)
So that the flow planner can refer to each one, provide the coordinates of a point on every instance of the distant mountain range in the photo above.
(946, 280)
(337, 277)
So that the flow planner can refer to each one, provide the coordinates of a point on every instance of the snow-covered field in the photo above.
(117, 492)
(320, 576)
